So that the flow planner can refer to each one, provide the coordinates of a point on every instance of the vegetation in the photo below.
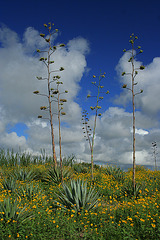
(133, 74)
(39, 200)
(38, 209)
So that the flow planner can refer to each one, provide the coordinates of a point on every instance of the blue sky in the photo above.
(95, 33)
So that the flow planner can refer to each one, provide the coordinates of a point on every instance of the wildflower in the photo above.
(153, 225)
(18, 235)
(142, 220)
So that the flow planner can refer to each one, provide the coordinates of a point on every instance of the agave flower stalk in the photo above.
(96, 108)
(133, 74)
(154, 146)
(56, 98)
(48, 62)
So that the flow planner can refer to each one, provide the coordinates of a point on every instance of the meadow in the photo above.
(34, 203)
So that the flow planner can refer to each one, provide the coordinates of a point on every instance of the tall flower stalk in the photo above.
(50, 79)
(60, 101)
(133, 74)
(87, 130)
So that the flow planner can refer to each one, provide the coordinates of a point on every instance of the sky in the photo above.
(94, 32)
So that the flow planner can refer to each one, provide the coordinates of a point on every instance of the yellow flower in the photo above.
(57, 226)
(153, 225)
(142, 220)
(18, 235)
(54, 221)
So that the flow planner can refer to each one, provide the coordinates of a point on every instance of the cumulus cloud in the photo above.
(11, 140)
(148, 80)
(20, 65)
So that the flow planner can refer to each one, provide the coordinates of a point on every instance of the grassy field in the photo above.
(31, 207)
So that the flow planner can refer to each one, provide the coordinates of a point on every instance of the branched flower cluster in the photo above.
(87, 130)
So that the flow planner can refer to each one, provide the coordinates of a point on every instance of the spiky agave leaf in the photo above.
(29, 191)
(9, 184)
(76, 196)
(23, 174)
(13, 210)
(55, 175)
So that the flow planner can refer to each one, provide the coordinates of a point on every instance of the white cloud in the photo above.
(141, 132)
(19, 68)
(113, 141)
(79, 45)
(148, 80)
(11, 140)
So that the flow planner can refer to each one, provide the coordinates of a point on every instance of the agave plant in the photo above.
(29, 191)
(117, 173)
(13, 211)
(23, 174)
(76, 196)
(79, 168)
(55, 175)
(129, 191)
(9, 184)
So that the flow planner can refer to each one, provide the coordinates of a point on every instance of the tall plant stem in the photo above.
(60, 145)
(50, 112)
(134, 139)
(94, 130)
(133, 74)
